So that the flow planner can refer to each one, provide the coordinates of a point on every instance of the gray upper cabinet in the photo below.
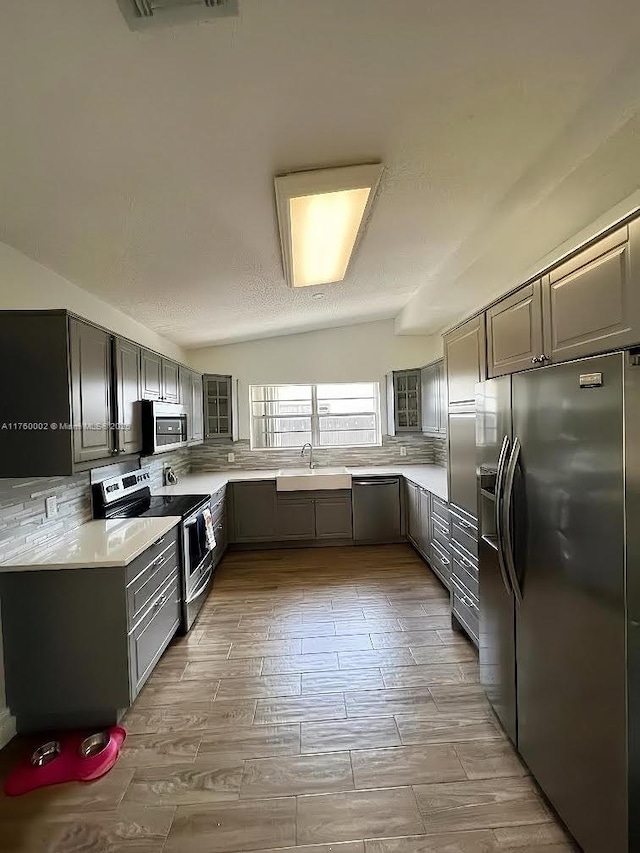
(170, 382)
(127, 365)
(90, 349)
(151, 375)
(514, 332)
(433, 396)
(186, 395)
(160, 378)
(74, 381)
(191, 399)
(403, 401)
(465, 359)
(406, 399)
(198, 408)
(592, 301)
(219, 406)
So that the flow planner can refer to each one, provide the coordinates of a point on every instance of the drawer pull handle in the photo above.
(466, 524)
(444, 561)
(160, 541)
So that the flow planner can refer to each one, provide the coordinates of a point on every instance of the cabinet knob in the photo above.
(543, 358)
(535, 360)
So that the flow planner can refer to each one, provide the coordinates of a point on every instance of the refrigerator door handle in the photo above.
(502, 461)
(506, 519)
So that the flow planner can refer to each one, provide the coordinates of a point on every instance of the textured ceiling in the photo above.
(140, 165)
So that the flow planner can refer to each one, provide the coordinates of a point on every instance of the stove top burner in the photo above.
(160, 505)
(129, 496)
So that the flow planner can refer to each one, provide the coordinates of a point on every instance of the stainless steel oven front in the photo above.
(197, 565)
(164, 426)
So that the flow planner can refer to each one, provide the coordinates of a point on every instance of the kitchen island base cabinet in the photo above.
(77, 652)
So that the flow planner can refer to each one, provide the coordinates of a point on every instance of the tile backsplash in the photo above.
(23, 521)
(420, 450)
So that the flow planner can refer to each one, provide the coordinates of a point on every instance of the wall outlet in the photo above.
(51, 506)
(231, 457)
(403, 450)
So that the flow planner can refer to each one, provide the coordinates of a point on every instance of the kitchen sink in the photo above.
(311, 479)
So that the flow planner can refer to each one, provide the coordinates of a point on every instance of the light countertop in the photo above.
(431, 477)
(96, 544)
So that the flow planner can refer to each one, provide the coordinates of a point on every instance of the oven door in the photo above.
(198, 566)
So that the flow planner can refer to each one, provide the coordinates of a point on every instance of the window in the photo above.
(345, 414)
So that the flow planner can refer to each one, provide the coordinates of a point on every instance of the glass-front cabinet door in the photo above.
(407, 400)
(218, 406)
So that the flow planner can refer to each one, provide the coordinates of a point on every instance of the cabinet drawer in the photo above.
(469, 562)
(440, 508)
(152, 635)
(146, 586)
(465, 533)
(145, 559)
(439, 531)
(218, 503)
(441, 563)
(465, 609)
(465, 571)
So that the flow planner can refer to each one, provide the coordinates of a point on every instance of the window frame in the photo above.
(315, 416)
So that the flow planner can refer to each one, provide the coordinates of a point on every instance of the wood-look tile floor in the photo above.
(321, 703)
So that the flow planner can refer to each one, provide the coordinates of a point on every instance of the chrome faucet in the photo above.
(311, 462)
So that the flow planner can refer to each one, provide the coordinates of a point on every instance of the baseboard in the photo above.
(7, 727)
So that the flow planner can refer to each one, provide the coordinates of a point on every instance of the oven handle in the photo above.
(200, 588)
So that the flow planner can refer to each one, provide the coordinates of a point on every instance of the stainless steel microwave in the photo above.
(164, 427)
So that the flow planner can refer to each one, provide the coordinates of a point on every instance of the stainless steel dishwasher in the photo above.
(376, 509)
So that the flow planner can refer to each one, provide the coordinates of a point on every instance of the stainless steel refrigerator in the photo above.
(559, 513)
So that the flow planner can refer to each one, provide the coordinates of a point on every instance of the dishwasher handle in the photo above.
(379, 482)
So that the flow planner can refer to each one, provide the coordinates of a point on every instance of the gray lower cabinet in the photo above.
(80, 643)
(254, 511)
(592, 301)
(514, 331)
(425, 521)
(261, 514)
(296, 517)
(127, 368)
(333, 516)
(91, 403)
(464, 573)
(412, 497)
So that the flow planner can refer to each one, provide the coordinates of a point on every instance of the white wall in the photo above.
(26, 284)
(366, 352)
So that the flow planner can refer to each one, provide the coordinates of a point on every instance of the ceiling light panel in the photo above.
(321, 215)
